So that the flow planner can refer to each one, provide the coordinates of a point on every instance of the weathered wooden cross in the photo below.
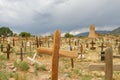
(92, 45)
(8, 51)
(102, 46)
(108, 66)
(56, 53)
(21, 53)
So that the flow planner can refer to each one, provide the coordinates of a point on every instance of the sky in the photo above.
(45, 16)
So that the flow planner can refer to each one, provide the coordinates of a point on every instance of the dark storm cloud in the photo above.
(44, 16)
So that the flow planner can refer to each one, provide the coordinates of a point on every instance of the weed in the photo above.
(30, 54)
(16, 64)
(2, 65)
(16, 76)
(3, 75)
(24, 78)
(77, 71)
(42, 68)
(2, 57)
(86, 77)
(24, 66)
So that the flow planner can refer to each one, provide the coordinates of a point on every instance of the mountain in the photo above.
(99, 32)
(115, 31)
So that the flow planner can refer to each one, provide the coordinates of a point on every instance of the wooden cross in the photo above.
(72, 61)
(92, 43)
(13, 42)
(108, 67)
(37, 42)
(3, 38)
(0, 39)
(119, 48)
(116, 43)
(102, 46)
(8, 51)
(81, 51)
(2, 47)
(56, 53)
(40, 42)
(22, 44)
(87, 45)
(21, 53)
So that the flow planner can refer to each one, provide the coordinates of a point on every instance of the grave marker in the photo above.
(1, 47)
(119, 48)
(92, 45)
(56, 53)
(8, 51)
(13, 42)
(21, 54)
(37, 42)
(102, 46)
(108, 66)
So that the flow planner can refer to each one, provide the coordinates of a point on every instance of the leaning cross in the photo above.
(108, 67)
(56, 53)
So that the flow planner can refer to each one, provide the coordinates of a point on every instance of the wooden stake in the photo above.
(8, 51)
(55, 56)
(109, 64)
(21, 54)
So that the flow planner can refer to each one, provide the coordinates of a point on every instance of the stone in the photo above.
(11, 79)
(11, 67)
(15, 69)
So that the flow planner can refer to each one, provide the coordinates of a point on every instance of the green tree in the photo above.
(68, 35)
(5, 31)
(25, 34)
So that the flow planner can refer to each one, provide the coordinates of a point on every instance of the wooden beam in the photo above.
(97, 67)
(101, 67)
(62, 53)
(55, 55)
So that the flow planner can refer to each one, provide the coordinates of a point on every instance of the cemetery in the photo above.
(95, 57)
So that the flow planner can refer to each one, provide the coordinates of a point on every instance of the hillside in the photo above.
(99, 32)
(115, 31)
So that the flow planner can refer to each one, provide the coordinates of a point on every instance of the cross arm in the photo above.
(62, 53)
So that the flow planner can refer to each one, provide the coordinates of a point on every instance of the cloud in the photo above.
(44, 16)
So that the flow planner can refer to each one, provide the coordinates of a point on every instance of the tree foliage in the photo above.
(5, 31)
(25, 34)
(68, 35)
